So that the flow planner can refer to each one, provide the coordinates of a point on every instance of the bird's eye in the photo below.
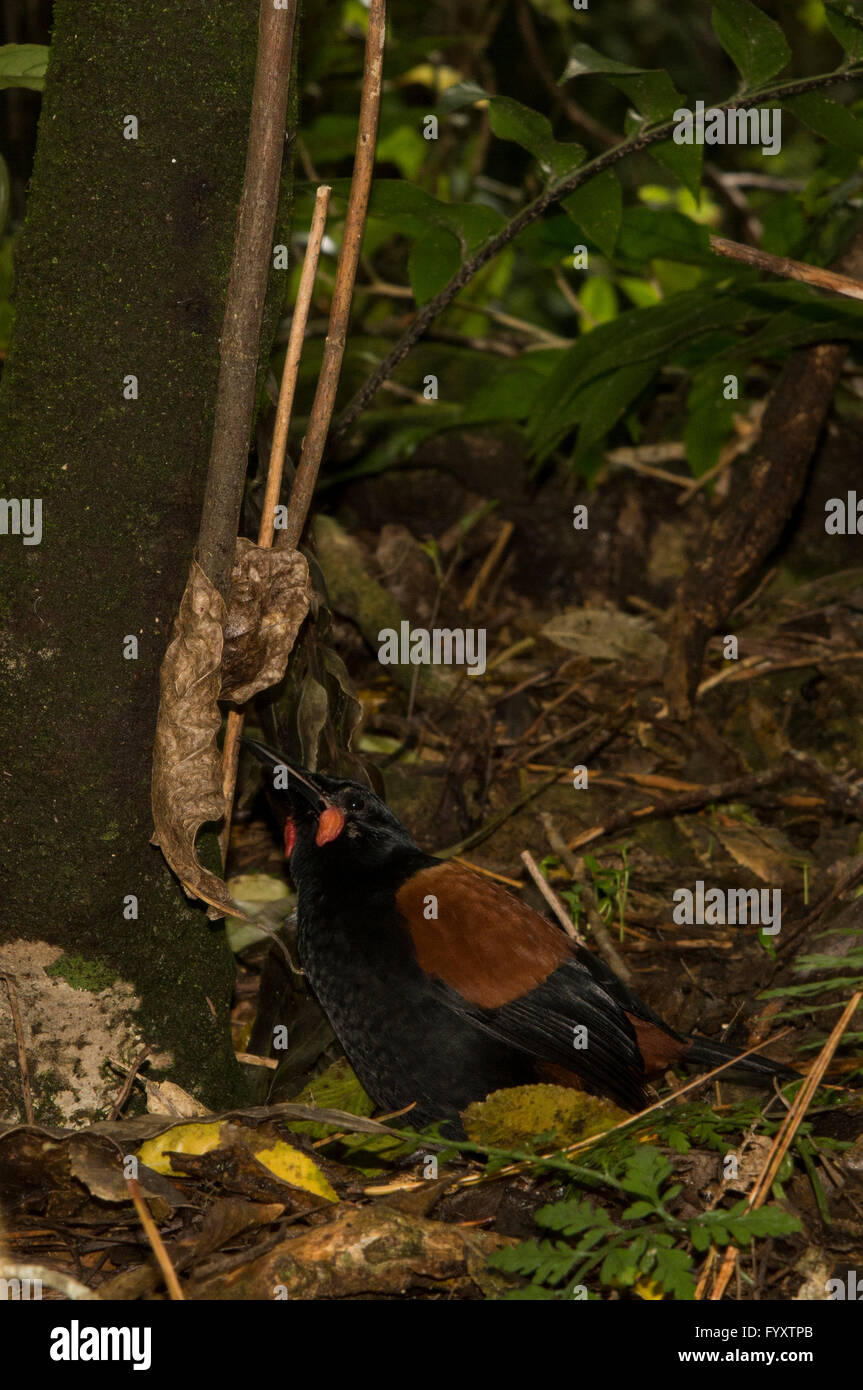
(354, 803)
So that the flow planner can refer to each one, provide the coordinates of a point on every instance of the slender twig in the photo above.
(334, 349)
(785, 1136)
(292, 366)
(687, 801)
(551, 898)
(557, 189)
(18, 1024)
(275, 471)
(251, 1059)
(487, 873)
(476, 837)
(346, 273)
(117, 1107)
(576, 867)
(540, 719)
(151, 1230)
(244, 303)
(789, 269)
(488, 564)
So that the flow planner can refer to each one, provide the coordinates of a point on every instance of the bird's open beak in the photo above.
(300, 782)
(331, 819)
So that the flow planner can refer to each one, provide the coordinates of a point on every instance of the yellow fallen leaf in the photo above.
(184, 1139)
(295, 1167)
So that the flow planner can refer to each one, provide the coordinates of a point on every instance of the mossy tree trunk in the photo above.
(121, 272)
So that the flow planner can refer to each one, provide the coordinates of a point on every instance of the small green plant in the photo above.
(839, 971)
(644, 1249)
(610, 886)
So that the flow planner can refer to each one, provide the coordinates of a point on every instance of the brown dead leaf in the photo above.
(268, 601)
(187, 778)
(605, 634)
(763, 850)
(167, 1098)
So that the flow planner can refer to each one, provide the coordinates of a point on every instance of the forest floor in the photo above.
(560, 761)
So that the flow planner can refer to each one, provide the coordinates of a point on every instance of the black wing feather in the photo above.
(542, 1024)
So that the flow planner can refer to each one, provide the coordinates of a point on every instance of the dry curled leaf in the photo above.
(605, 634)
(268, 601)
(187, 780)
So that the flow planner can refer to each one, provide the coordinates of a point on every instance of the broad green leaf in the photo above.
(829, 119)
(598, 407)
(845, 26)
(509, 392)
(433, 261)
(649, 335)
(510, 120)
(550, 241)
(584, 59)
(755, 44)
(330, 137)
(597, 207)
(473, 222)
(23, 65)
(652, 93)
(685, 162)
(710, 420)
(814, 320)
(409, 208)
(412, 212)
(650, 232)
(462, 94)
(650, 90)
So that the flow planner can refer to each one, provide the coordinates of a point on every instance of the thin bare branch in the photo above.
(789, 269)
(346, 274)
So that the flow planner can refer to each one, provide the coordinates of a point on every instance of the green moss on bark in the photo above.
(81, 973)
(121, 271)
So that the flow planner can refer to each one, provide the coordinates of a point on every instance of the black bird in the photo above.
(440, 985)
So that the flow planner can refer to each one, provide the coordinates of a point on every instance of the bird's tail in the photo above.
(703, 1052)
